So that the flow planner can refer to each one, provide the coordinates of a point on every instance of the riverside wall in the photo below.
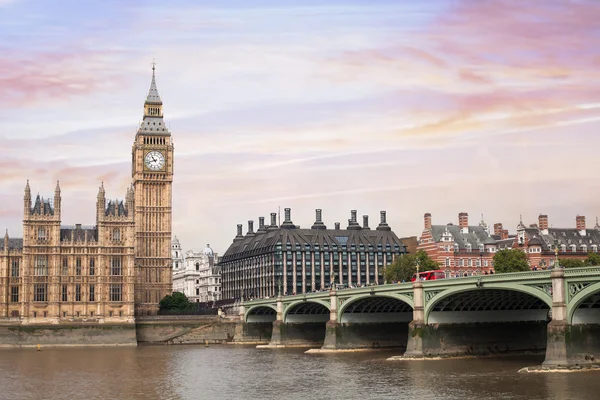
(80, 334)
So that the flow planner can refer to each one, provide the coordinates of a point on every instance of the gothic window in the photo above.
(40, 292)
(14, 268)
(41, 267)
(14, 294)
(78, 292)
(197, 266)
(78, 266)
(116, 236)
(115, 292)
(92, 267)
(41, 234)
(64, 291)
(115, 266)
(65, 266)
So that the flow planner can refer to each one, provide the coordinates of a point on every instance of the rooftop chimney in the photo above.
(383, 226)
(580, 223)
(352, 224)
(498, 229)
(261, 225)
(366, 222)
(287, 222)
(504, 234)
(337, 226)
(250, 228)
(463, 222)
(239, 235)
(318, 220)
(273, 222)
(543, 223)
(427, 221)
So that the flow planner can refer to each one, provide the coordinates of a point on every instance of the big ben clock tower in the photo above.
(152, 173)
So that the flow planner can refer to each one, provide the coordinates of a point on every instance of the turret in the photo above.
(6, 242)
(129, 201)
(100, 202)
(27, 200)
(57, 199)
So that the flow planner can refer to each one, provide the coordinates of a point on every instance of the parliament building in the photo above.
(110, 271)
(285, 258)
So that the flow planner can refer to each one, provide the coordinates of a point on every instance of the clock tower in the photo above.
(152, 176)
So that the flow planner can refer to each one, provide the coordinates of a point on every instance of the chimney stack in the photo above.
(463, 222)
(543, 222)
(273, 219)
(383, 226)
(337, 226)
(250, 228)
(318, 220)
(287, 222)
(261, 225)
(352, 224)
(366, 222)
(580, 223)
(427, 221)
(504, 234)
(498, 229)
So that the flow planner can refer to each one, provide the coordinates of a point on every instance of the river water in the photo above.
(242, 372)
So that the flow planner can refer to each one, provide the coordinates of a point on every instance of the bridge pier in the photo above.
(416, 328)
(332, 328)
(569, 345)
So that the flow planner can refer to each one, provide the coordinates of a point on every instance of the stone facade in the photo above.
(197, 275)
(104, 273)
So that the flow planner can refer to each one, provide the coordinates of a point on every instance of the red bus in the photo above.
(429, 275)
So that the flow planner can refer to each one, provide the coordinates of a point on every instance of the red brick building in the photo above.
(461, 249)
(465, 249)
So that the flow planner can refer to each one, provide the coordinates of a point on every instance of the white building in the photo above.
(196, 274)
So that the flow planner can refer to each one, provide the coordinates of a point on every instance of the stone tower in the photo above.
(152, 175)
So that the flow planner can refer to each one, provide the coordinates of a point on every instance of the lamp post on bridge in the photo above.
(418, 275)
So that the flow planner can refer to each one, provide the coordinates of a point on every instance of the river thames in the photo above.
(241, 372)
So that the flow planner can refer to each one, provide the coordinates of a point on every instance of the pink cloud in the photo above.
(28, 78)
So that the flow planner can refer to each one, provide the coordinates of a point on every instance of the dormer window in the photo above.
(481, 248)
(563, 247)
(573, 248)
(595, 248)
(456, 248)
(584, 248)
(469, 247)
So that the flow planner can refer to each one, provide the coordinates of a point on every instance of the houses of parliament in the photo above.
(110, 271)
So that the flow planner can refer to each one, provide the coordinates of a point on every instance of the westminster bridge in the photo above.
(553, 310)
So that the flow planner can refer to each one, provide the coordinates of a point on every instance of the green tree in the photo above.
(405, 266)
(510, 260)
(175, 302)
(593, 259)
(571, 263)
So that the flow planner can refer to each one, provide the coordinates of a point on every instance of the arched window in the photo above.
(197, 266)
(447, 261)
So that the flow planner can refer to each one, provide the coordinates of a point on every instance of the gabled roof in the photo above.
(42, 206)
(563, 236)
(13, 244)
(476, 236)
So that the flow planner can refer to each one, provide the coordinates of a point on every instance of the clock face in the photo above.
(154, 160)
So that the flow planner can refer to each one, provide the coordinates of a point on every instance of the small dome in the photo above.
(175, 243)
(208, 251)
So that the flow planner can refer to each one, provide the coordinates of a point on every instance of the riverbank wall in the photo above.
(200, 329)
(72, 335)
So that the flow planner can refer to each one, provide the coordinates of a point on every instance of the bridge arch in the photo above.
(261, 313)
(473, 304)
(388, 307)
(299, 311)
(589, 296)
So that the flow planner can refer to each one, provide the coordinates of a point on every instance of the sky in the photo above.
(444, 106)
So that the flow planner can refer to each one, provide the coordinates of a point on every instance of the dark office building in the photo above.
(306, 260)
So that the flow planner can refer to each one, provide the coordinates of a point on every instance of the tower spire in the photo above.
(153, 97)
